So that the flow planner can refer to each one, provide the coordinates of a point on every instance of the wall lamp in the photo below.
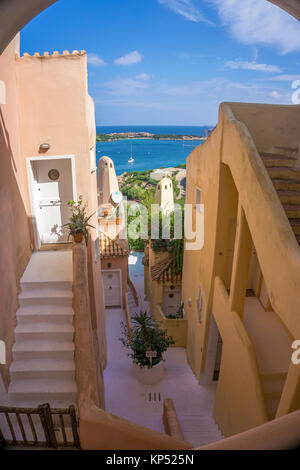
(44, 147)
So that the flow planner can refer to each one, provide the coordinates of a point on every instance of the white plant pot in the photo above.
(150, 376)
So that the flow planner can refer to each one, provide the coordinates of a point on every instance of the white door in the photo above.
(112, 288)
(171, 300)
(53, 187)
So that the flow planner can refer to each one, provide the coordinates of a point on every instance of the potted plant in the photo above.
(179, 314)
(147, 342)
(78, 223)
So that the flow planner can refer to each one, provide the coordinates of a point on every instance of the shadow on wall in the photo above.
(15, 250)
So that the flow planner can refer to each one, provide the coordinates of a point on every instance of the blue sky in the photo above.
(171, 62)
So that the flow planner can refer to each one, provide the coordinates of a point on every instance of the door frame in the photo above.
(121, 285)
(32, 192)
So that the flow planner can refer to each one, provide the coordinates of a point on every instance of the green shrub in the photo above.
(146, 335)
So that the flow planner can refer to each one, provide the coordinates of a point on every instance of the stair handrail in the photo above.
(127, 314)
(239, 152)
(99, 429)
(133, 291)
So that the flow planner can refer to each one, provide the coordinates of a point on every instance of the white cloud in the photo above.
(125, 87)
(95, 60)
(274, 94)
(219, 89)
(285, 78)
(196, 88)
(185, 8)
(143, 76)
(260, 22)
(131, 58)
(243, 65)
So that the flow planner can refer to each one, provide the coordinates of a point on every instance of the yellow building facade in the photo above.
(240, 290)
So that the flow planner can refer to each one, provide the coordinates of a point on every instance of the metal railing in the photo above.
(39, 427)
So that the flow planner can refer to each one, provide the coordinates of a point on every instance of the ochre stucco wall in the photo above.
(15, 244)
(229, 171)
(55, 107)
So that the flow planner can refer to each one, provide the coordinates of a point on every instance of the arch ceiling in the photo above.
(15, 14)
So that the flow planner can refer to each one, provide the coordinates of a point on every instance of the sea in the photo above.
(149, 154)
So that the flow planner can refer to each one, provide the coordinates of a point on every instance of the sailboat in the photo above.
(131, 159)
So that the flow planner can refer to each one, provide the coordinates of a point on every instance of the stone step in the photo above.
(274, 377)
(45, 313)
(46, 297)
(52, 389)
(43, 349)
(277, 160)
(199, 428)
(292, 210)
(284, 173)
(289, 197)
(51, 285)
(43, 368)
(295, 223)
(291, 151)
(273, 386)
(286, 184)
(44, 331)
(273, 395)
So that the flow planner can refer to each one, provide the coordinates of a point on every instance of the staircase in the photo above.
(272, 387)
(133, 308)
(43, 367)
(285, 176)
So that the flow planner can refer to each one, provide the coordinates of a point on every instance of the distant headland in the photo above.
(144, 135)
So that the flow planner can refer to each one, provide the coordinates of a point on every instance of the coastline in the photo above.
(173, 138)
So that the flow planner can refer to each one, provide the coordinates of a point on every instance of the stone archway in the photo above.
(17, 13)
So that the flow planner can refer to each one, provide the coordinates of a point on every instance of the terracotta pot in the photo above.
(150, 376)
(78, 237)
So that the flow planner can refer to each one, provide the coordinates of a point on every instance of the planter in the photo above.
(150, 376)
(78, 237)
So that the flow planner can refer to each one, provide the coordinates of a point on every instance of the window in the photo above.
(53, 175)
(198, 196)
(97, 250)
(93, 159)
(2, 92)
(199, 305)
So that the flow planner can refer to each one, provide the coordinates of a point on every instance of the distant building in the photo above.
(164, 195)
(107, 181)
(160, 173)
